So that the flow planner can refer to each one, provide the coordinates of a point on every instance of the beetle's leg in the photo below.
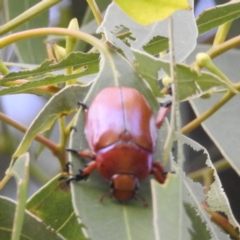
(73, 128)
(163, 111)
(159, 172)
(84, 173)
(67, 167)
(82, 104)
(84, 153)
(169, 88)
(85, 108)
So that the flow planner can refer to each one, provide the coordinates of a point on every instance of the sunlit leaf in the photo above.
(146, 12)
(126, 34)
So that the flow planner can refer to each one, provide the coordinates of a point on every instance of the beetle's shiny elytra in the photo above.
(121, 131)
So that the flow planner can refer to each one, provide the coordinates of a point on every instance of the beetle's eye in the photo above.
(136, 186)
(111, 185)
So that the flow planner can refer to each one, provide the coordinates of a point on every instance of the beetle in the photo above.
(121, 131)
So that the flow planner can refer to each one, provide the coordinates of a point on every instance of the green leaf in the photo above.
(221, 126)
(184, 24)
(35, 46)
(52, 204)
(76, 60)
(216, 16)
(166, 201)
(190, 82)
(38, 83)
(63, 103)
(147, 12)
(20, 171)
(216, 198)
(177, 205)
(110, 219)
(175, 218)
(156, 45)
(33, 228)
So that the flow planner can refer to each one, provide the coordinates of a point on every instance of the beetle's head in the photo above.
(124, 186)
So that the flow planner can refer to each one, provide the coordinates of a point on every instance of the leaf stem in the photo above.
(223, 222)
(28, 14)
(3, 69)
(223, 47)
(96, 13)
(214, 52)
(62, 143)
(174, 86)
(5, 41)
(222, 33)
(203, 60)
(39, 138)
(219, 165)
(95, 10)
(197, 121)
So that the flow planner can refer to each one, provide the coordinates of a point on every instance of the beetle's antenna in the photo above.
(143, 200)
(104, 195)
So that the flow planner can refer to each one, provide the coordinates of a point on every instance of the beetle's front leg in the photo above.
(162, 113)
(159, 172)
(84, 173)
(84, 153)
(83, 105)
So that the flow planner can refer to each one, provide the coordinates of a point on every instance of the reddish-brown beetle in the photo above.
(121, 131)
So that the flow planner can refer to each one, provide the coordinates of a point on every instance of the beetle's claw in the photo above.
(67, 166)
(73, 128)
(166, 104)
(169, 88)
(75, 152)
(78, 177)
(62, 178)
(68, 180)
(165, 174)
(82, 104)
